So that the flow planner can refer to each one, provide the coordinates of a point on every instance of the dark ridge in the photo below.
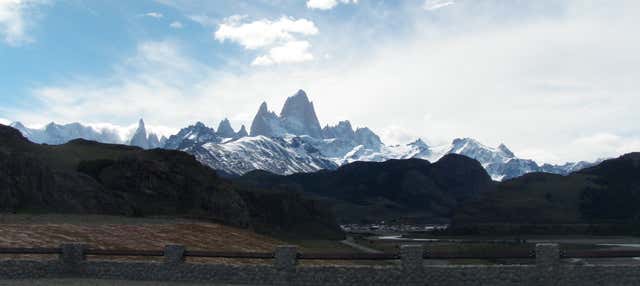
(604, 196)
(87, 177)
(394, 190)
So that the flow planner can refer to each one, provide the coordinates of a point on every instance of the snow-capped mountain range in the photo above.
(54, 134)
(293, 142)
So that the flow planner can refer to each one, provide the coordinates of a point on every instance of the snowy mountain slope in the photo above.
(192, 135)
(339, 145)
(294, 142)
(277, 155)
(502, 164)
(55, 134)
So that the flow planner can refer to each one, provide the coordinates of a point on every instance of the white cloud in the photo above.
(607, 145)
(432, 5)
(541, 156)
(278, 38)
(327, 4)
(154, 15)
(5, 121)
(125, 132)
(176, 25)
(395, 134)
(289, 52)
(562, 87)
(16, 17)
(203, 20)
(165, 54)
(263, 33)
(158, 78)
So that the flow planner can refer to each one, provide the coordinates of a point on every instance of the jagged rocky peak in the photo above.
(141, 124)
(144, 139)
(508, 153)
(225, 130)
(265, 122)
(51, 126)
(17, 125)
(263, 108)
(419, 143)
(154, 141)
(243, 132)
(299, 116)
(459, 142)
(193, 134)
(366, 137)
(140, 138)
(343, 130)
(467, 145)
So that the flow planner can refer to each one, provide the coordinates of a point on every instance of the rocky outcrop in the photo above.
(266, 123)
(192, 135)
(298, 116)
(225, 130)
(141, 138)
(343, 130)
(242, 133)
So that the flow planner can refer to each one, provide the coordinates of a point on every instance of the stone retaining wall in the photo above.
(284, 271)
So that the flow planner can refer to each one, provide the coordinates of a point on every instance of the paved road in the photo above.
(350, 242)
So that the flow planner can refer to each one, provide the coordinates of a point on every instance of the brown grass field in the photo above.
(128, 233)
(112, 232)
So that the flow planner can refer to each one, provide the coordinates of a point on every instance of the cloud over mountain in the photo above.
(279, 38)
(535, 74)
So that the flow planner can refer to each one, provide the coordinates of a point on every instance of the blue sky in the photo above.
(555, 80)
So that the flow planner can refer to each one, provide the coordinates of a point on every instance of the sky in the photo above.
(554, 80)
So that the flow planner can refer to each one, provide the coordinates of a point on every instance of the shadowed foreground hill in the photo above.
(413, 189)
(608, 193)
(88, 177)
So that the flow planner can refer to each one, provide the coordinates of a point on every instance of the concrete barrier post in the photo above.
(547, 262)
(72, 254)
(174, 254)
(411, 257)
(286, 257)
(547, 255)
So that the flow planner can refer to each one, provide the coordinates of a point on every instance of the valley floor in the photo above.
(111, 232)
(116, 232)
